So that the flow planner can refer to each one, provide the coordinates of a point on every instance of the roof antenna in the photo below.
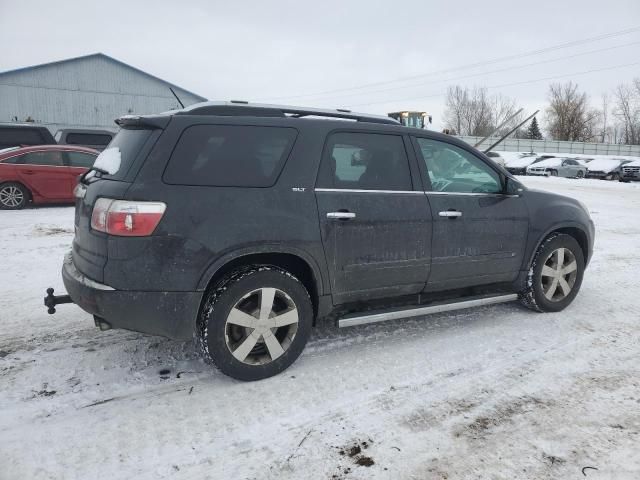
(177, 98)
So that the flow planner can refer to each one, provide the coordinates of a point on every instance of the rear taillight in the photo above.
(126, 218)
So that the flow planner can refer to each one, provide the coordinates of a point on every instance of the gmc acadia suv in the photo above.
(243, 224)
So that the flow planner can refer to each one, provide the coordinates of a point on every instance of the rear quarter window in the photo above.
(229, 156)
(117, 158)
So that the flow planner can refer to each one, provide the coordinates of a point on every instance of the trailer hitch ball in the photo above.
(51, 300)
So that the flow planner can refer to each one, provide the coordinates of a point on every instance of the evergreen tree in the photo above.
(533, 132)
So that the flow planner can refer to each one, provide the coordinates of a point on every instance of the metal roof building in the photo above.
(84, 92)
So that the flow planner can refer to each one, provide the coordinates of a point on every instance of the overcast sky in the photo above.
(278, 51)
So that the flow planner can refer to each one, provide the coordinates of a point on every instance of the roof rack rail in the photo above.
(244, 108)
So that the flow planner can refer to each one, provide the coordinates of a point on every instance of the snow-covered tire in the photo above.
(236, 318)
(13, 196)
(545, 271)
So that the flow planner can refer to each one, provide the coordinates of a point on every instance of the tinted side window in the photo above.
(88, 139)
(452, 169)
(12, 137)
(365, 161)
(42, 158)
(79, 159)
(230, 155)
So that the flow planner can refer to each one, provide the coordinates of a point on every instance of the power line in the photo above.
(500, 86)
(480, 74)
(467, 66)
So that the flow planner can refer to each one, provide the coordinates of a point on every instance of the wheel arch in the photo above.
(298, 264)
(572, 230)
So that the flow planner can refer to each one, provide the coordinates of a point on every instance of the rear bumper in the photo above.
(170, 314)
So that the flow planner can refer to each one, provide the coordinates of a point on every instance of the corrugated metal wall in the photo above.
(552, 146)
(88, 92)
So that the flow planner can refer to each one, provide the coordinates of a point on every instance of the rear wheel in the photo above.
(13, 196)
(580, 174)
(255, 323)
(555, 276)
(615, 176)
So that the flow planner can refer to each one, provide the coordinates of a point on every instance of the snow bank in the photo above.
(109, 161)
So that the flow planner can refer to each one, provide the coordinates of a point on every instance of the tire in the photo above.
(580, 174)
(13, 196)
(248, 345)
(615, 176)
(554, 173)
(538, 282)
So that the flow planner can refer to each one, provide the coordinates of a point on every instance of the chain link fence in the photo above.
(552, 146)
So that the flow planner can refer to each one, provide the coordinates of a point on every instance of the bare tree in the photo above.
(569, 116)
(627, 111)
(474, 111)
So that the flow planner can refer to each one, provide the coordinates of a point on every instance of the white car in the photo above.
(606, 168)
(495, 156)
(558, 167)
(518, 166)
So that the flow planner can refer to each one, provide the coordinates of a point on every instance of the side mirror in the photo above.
(512, 187)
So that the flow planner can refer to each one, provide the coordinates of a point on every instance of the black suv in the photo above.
(23, 135)
(244, 224)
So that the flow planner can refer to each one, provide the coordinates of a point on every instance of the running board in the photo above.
(359, 319)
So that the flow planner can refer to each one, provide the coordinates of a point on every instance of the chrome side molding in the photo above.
(357, 319)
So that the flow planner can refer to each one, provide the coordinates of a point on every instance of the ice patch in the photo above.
(109, 161)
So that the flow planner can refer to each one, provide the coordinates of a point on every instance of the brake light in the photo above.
(126, 218)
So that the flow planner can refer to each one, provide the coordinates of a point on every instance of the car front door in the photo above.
(479, 232)
(45, 173)
(375, 226)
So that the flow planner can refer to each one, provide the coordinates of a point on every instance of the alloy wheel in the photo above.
(11, 196)
(559, 274)
(261, 326)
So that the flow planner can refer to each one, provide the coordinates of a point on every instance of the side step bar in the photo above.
(352, 320)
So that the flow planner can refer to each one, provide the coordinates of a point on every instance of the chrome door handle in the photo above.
(341, 215)
(450, 214)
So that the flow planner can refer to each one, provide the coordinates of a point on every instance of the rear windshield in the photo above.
(229, 155)
(12, 137)
(120, 154)
(88, 139)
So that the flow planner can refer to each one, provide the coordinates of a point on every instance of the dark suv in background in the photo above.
(24, 135)
(244, 224)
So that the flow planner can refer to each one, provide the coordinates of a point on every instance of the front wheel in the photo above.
(580, 174)
(555, 276)
(255, 323)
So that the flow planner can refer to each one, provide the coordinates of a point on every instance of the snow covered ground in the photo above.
(498, 392)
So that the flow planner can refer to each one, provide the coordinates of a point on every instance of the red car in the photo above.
(41, 174)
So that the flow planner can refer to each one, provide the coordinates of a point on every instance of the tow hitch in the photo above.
(51, 300)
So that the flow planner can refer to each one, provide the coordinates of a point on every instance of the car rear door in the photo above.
(44, 173)
(479, 232)
(375, 226)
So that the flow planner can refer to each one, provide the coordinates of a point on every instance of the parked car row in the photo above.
(36, 167)
(569, 167)
(41, 174)
(27, 134)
